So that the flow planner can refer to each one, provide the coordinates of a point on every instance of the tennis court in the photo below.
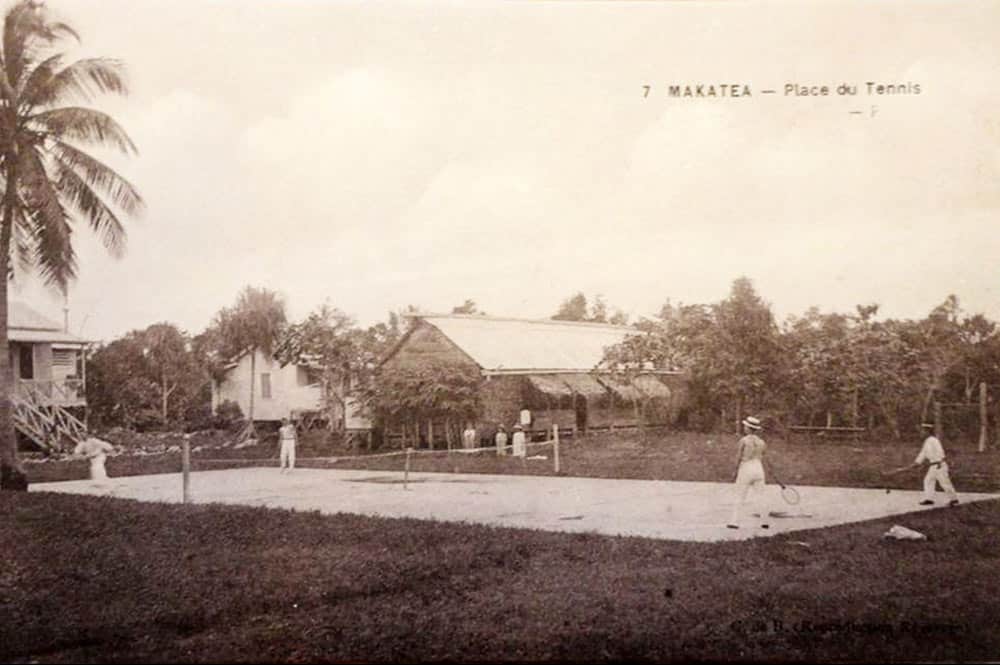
(672, 510)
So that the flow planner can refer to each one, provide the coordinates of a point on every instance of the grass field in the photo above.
(99, 579)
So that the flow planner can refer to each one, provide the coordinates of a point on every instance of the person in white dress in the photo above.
(932, 453)
(96, 450)
(469, 437)
(518, 442)
(750, 473)
(501, 441)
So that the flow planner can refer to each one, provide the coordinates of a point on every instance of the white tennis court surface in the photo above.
(653, 509)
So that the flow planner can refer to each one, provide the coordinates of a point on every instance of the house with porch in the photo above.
(552, 368)
(49, 391)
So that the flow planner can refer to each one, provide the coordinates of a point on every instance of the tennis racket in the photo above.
(789, 495)
(902, 469)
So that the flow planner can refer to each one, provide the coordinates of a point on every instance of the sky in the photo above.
(374, 155)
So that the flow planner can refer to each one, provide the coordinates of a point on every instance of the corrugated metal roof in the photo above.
(24, 324)
(19, 335)
(20, 315)
(513, 345)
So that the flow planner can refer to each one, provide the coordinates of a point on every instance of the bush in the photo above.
(228, 415)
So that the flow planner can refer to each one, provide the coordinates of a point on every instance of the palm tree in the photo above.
(49, 182)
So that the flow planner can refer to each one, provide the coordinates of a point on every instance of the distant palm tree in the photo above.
(48, 181)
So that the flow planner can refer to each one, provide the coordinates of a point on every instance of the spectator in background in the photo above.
(501, 441)
(518, 442)
(469, 437)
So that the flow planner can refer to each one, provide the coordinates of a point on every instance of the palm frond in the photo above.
(27, 31)
(79, 195)
(47, 220)
(98, 176)
(48, 83)
(82, 124)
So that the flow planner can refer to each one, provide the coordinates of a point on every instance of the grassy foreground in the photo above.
(109, 580)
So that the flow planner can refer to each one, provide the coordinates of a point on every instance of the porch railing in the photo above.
(65, 391)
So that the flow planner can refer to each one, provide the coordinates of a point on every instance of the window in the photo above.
(302, 376)
(27, 358)
(265, 386)
(64, 358)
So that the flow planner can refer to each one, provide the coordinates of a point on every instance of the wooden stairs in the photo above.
(53, 428)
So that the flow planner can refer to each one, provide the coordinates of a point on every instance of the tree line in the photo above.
(822, 369)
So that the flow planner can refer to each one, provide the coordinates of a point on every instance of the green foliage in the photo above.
(845, 368)
(148, 378)
(256, 321)
(421, 393)
(577, 308)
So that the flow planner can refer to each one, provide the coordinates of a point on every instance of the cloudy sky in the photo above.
(377, 155)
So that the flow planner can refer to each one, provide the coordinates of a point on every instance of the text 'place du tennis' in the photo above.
(787, 89)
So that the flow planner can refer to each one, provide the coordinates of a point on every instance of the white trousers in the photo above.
(937, 474)
(287, 454)
(750, 476)
(97, 470)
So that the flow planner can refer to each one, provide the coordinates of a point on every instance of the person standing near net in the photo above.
(469, 437)
(749, 472)
(288, 438)
(518, 442)
(932, 453)
(96, 450)
(501, 441)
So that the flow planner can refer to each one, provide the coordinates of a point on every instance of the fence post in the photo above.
(406, 469)
(555, 445)
(983, 417)
(186, 468)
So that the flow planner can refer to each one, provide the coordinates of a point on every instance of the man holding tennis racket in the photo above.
(932, 452)
(750, 472)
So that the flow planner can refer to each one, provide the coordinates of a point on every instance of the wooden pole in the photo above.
(406, 469)
(983, 417)
(938, 425)
(430, 434)
(555, 445)
(186, 468)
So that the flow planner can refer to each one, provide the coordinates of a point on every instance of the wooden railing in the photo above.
(67, 392)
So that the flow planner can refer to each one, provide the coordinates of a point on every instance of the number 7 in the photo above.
(647, 89)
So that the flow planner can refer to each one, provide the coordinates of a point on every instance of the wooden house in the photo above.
(291, 391)
(49, 391)
(552, 368)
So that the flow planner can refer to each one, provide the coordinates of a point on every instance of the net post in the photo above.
(983, 417)
(406, 469)
(555, 445)
(186, 468)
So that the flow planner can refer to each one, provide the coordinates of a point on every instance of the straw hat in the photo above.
(751, 423)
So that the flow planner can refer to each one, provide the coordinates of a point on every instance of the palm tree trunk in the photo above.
(8, 438)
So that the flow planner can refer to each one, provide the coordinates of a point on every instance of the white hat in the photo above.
(751, 422)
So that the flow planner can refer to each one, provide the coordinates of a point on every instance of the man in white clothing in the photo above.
(932, 453)
(287, 436)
